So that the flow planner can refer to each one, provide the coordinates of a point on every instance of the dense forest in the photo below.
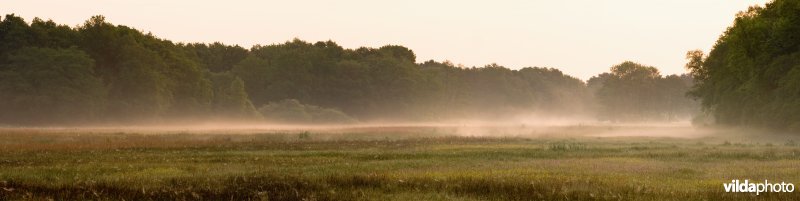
(752, 74)
(52, 74)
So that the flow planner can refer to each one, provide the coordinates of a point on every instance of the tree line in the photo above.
(100, 72)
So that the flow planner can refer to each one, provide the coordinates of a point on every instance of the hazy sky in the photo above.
(582, 38)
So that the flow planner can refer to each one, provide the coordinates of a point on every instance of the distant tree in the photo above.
(148, 78)
(556, 93)
(15, 33)
(495, 91)
(230, 98)
(364, 82)
(217, 57)
(635, 92)
(255, 72)
(49, 86)
(398, 52)
(49, 34)
(674, 100)
(695, 64)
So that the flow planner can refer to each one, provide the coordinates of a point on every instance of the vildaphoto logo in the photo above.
(747, 187)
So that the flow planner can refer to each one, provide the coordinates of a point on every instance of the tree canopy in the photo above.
(752, 74)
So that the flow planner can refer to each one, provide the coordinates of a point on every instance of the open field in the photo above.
(391, 163)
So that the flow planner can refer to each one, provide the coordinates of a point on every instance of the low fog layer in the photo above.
(468, 129)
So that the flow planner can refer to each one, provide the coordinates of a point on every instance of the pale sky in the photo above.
(580, 37)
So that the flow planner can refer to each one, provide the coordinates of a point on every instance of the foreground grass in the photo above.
(396, 165)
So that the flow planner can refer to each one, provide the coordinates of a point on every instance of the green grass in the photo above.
(418, 164)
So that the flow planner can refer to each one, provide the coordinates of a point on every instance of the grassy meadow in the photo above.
(391, 163)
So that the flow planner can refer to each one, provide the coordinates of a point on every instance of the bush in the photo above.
(292, 111)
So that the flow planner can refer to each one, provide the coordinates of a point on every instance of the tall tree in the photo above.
(750, 77)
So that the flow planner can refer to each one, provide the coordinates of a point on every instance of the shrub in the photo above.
(292, 111)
